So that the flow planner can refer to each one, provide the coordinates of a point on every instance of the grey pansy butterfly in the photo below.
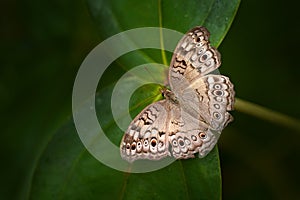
(191, 117)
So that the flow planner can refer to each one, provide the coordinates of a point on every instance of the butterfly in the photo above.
(194, 112)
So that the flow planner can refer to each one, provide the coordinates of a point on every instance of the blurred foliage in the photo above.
(43, 45)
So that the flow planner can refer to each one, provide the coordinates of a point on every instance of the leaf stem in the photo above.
(162, 45)
(267, 114)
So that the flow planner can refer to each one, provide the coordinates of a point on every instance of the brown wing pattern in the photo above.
(194, 113)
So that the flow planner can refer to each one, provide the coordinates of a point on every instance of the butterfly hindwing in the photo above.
(188, 135)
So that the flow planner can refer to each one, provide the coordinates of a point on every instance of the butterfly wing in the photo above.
(193, 58)
(209, 99)
(206, 97)
(146, 136)
(164, 129)
(188, 135)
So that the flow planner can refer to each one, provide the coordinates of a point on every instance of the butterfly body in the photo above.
(194, 112)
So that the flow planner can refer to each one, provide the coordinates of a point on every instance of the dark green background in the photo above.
(44, 42)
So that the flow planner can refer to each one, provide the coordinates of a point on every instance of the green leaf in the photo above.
(113, 17)
(67, 170)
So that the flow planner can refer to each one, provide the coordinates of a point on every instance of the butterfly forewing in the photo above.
(146, 137)
(193, 58)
